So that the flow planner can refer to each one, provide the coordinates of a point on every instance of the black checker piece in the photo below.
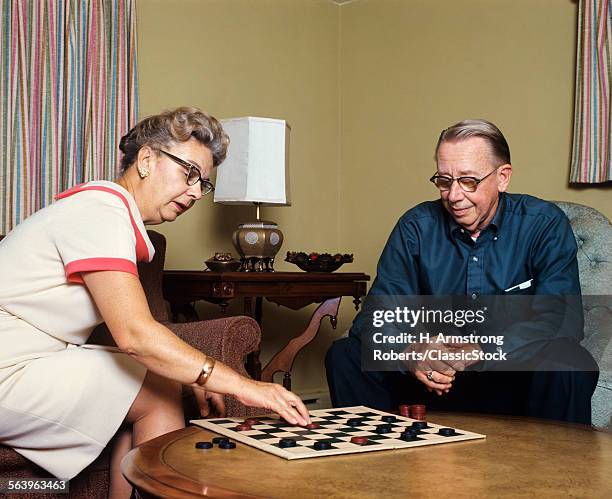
(448, 432)
(353, 422)
(322, 445)
(391, 425)
(330, 440)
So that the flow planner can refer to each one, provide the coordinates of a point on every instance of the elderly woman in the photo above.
(71, 266)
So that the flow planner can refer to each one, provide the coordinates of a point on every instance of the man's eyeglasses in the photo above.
(193, 173)
(468, 184)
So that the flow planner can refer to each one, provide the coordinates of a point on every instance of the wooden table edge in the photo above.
(163, 480)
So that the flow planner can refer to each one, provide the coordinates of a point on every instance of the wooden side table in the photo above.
(294, 290)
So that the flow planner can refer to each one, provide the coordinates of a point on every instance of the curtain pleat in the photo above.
(591, 153)
(68, 93)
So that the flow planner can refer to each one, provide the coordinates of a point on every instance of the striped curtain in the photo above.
(68, 92)
(592, 149)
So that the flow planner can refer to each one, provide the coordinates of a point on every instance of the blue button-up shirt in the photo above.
(529, 241)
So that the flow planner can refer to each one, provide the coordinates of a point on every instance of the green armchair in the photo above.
(593, 233)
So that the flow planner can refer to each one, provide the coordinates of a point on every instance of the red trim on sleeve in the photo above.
(142, 252)
(73, 269)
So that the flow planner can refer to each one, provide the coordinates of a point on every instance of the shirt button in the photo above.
(499, 349)
(475, 258)
(474, 296)
(495, 238)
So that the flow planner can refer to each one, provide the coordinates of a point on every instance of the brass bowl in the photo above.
(318, 262)
(222, 262)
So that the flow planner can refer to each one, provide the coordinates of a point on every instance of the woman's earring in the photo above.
(142, 171)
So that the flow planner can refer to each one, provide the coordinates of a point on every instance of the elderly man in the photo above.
(477, 241)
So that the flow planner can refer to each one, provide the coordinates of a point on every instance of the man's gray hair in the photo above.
(478, 128)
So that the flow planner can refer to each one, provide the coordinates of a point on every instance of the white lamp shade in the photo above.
(256, 169)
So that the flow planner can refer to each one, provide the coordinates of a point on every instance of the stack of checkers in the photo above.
(222, 442)
(415, 411)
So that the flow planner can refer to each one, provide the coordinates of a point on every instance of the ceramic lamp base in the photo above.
(257, 243)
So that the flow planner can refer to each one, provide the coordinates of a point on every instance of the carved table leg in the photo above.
(283, 360)
(287, 380)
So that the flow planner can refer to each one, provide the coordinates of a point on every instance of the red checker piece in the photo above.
(359, 440)
(243, 427)
(313, 426)
(251, 421)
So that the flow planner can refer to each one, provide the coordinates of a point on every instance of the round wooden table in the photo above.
(519, 457)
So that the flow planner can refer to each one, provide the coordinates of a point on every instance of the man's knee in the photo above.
(564, 354)
(563, 395)
(343, 355)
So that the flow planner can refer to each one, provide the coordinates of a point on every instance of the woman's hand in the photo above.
(274, 397)
(210, 404)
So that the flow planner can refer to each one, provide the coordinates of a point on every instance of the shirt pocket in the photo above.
(526, 287)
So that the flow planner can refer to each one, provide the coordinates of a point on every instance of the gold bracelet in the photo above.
(207, 368)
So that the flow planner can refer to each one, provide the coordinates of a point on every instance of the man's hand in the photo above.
(436, 375)
(466, 350)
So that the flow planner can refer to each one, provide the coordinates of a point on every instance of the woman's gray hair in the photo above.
(176, 125)
(478, 128)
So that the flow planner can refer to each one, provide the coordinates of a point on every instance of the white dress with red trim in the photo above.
(61, 401)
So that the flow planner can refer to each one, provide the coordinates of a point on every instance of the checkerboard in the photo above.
(334, 428)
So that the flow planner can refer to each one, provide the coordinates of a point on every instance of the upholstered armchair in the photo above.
(228, 339)
(593, 233)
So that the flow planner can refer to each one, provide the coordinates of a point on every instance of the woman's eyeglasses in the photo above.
(193, 173)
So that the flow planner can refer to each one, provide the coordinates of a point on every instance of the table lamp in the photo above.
(255, 171)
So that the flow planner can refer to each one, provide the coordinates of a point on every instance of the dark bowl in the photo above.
(231, 266)
(318, 262)
(222, 262)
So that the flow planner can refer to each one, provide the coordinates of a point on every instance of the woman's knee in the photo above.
(157, 393)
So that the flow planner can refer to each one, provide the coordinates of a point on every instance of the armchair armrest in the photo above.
(229, 340)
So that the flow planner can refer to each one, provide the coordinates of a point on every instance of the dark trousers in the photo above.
(562, 393)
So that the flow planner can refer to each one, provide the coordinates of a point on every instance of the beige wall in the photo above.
(274, 58)
(367, 87)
